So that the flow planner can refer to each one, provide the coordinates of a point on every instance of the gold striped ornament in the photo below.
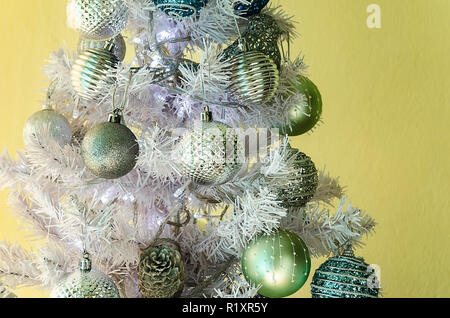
(254, 77)
(93, 73)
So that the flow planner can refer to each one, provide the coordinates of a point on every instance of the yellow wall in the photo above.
(386, 119)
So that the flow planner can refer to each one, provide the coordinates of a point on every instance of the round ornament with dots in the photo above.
(279, 262)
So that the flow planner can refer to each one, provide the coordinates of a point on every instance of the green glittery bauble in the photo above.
(344, 276)
(161, 272)
(304, 117)
(279, 262)
(58, 127)
(110, 150)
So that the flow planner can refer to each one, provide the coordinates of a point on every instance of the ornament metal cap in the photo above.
(86, 263)
(206, 115)
(115, 117)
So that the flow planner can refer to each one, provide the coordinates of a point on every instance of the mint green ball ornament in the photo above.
(304, 117)
(280, 262)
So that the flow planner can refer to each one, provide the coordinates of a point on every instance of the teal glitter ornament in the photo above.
(255, 7)
(110, 149)
(262, 35)
(280, 262)
(58, 127)
(180, 8)
(86, 283)
(345, 276)
(303, 117)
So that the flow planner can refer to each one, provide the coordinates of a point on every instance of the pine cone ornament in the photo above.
(161, 272)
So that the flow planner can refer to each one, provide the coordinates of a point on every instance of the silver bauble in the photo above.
(86, 283)
(254, 77)
(58, 127)
(115, 45)
(299, 187)
(110, 150)
(93, 73)
(97, 19)
(210, 153)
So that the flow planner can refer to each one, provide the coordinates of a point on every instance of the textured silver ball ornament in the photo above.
(98, 19)
(298, 188)
(115, 45)
(211, 153)
(110, 149)
(93, 73)
(57, 125)
(86, 283)
(254, 77)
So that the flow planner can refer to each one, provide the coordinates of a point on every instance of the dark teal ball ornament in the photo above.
(255, 7)
(180, 8)
(345, 276)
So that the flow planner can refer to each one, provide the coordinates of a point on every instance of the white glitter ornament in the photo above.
(86, 283)
(97, 19)
(58, 127)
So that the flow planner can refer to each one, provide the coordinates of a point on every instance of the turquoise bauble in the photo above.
(345, 276)
(304, 117)
(58, 127)
(180, 8)
(110, 150)
(247, 10)
(279, 262)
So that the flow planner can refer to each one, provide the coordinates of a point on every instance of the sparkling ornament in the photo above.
(211, 153)
(93, 73)
(262, 35)
(161, 272)
(58, 126)
(254, 77)
(86, 283)
(110, 149)
(255, 7)
(279, 262)
(304, 117)
(115, 45)
(97, 19)
(296, 189)
(345, 276)
(180, 8)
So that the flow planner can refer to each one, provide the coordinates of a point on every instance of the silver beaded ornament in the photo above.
(211, 153)
(299, 187)
(98, 19)
(345, 276)
(86, 283)
(262, 35)
(93, 73)
(115, 45)
(254, 77)
(180, 8)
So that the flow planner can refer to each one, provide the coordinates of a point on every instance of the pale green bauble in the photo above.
(86, 283)
(57, 126)
(110, 150)
(280, 262)
(303, 117)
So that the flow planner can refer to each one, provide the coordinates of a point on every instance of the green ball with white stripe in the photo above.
(345, 276)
